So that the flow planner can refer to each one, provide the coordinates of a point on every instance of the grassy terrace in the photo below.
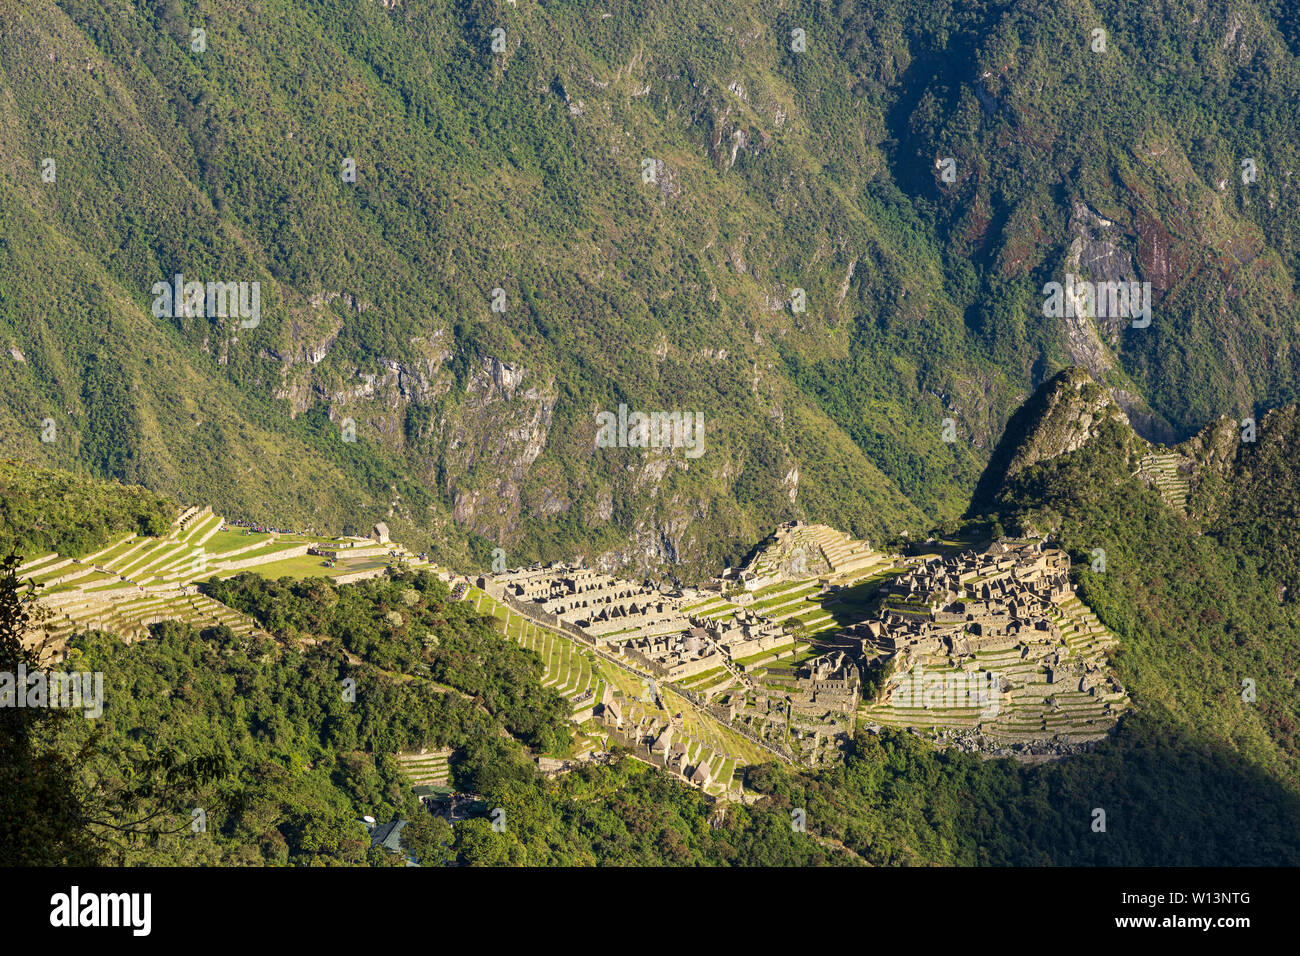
(312, 566)
(704, 677)
(116, 551)
(130, 618)
(838, 609)
(110, 583)
(792, 592)
(429, 769)
(753, 659)
(201, 529)
(570, 669)
(814, 618)
(94, 577)
(713, 610)
(231, 539)
(712, 604)
(156, 569)
(781, 587)
(714, 681)
(52, 570)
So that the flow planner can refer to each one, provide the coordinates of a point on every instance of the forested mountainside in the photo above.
(1194, 577)
(734, 209)
(43, 510)
(251, 728)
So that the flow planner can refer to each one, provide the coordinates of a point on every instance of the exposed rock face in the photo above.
(377, 395)
(1093, 247)
(1095, 252)
(1071, 408)
(480, 445)
(666, 178)
(1085, 345)
(1148, 423)
(651, 547)
(790, 483)
(1099, 252)
(1215, 446)
(493, 440)
(380, 399)
(504, 376)
(1064, 414)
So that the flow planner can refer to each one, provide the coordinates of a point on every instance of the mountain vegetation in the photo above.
(44, 510)
(258, 734)
(722, 207)
(474, 225)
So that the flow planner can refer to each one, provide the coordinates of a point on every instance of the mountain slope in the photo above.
(1195, 775)
(1210, 640)
(797, 270)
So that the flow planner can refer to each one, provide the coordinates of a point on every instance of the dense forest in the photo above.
(824, 225)
(794, 263)
(45, 510)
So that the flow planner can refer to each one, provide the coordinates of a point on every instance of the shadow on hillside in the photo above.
(1169, 800)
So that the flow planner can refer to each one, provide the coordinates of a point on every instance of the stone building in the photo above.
(827, 683)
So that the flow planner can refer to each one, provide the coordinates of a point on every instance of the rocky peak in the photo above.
(1065, 413)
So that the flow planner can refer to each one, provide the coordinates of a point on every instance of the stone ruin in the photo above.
(995, 641)
(601, 605)
(827, 684)
(798, 551)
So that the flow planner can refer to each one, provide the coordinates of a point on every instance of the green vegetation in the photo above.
(522, 171)
(260, 735)
(290, 764)
(406, 623)
(299, 765)
(776, 170)
(1169, 801)
(43, 511)
(1195, 618)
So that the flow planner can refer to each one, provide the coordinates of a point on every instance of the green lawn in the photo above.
(229, 540)
(310, 566)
